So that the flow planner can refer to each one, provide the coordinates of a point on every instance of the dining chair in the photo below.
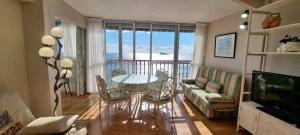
(161, 75)
(161, 97)
(116, 72)
(110, 96)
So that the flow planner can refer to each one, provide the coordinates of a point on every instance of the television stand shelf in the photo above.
(258, 122)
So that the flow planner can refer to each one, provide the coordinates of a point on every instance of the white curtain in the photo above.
(200, 41)
(96, 64)
(69, 49)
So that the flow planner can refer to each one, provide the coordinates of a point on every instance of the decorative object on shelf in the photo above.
(289, 43)
(225, 45)
(46, 53)
(271, 21)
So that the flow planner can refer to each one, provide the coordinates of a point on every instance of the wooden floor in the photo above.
(187, 121)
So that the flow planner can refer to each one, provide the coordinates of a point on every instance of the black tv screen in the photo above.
(277, 91)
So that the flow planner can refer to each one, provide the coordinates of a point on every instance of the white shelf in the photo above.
(273, 7)
(283, 27)
(274, 53)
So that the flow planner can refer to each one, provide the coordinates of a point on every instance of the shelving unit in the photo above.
(283, 27)
(276, 5)
(273, 53)
(265, 36)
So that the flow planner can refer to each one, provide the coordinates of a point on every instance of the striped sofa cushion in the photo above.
(200, 72)
(232, 86)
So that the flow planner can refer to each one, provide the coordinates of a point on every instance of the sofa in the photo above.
(226, 103)
(16, 118)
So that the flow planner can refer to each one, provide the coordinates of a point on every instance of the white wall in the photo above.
(58, 9)
(13, 74)
(33, 23)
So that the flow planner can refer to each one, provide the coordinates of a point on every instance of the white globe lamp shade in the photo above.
(242, 26)
(66, 72)
(66, 63)
(46, 52)
(48, 40)
(244, 15)
(56, 32)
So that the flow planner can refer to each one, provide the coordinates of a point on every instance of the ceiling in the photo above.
(189, 11)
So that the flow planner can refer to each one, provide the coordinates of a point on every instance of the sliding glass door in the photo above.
(144, 48)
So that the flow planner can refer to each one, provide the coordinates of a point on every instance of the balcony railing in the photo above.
(147, 67)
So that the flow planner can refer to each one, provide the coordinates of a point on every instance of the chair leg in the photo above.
(172, 105)
(108, 112)
(100, 103)
(158, 116)
(140, 109)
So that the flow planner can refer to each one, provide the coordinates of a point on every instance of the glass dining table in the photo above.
(134, 83)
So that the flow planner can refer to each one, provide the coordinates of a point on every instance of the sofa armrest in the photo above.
(188, 81)
(219, 99)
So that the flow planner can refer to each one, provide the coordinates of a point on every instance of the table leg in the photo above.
(130, 102)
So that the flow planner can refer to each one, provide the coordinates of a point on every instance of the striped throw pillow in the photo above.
(201, 82)
(213, 87)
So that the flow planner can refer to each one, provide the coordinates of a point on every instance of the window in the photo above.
(112, 44)
(142, 46)
(127, 44)
(163, 45)
(186, 45)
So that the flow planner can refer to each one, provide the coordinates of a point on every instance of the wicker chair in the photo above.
(110, 96)
(116, 72)
(161, 97)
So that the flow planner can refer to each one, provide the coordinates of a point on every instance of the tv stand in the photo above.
(279, 114)
(259, 122)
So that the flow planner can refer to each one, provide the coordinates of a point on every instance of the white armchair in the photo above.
(19, 112)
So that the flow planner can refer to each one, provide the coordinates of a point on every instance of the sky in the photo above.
(162, 42)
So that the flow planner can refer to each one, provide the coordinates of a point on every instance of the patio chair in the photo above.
(161, 97)
(116, 72)
(110, 96)
(161, 75)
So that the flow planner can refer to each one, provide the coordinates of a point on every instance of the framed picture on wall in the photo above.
(225, 45)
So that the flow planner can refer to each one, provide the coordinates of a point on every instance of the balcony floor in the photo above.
(188, 119)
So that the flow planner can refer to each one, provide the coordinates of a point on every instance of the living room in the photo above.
(206, 67)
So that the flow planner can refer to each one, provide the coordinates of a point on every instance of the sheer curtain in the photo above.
(200, 41)
(96, 64)
(69, 49)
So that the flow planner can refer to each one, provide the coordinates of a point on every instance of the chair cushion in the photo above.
(220, 98)
(117, 94)
(201, 82)
(49, 125)
(154, 95)
(213, 87)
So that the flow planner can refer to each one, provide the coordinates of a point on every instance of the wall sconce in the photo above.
(245, 14)
(46, 53)
(244, 26)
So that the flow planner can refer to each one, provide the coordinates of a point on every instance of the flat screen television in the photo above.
(278, 94)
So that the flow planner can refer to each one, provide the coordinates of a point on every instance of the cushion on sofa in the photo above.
(188, 81)
(213, 87)
(201, 82)
(233, 85)
(7, 125)
(220, 98)
(49, 125)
